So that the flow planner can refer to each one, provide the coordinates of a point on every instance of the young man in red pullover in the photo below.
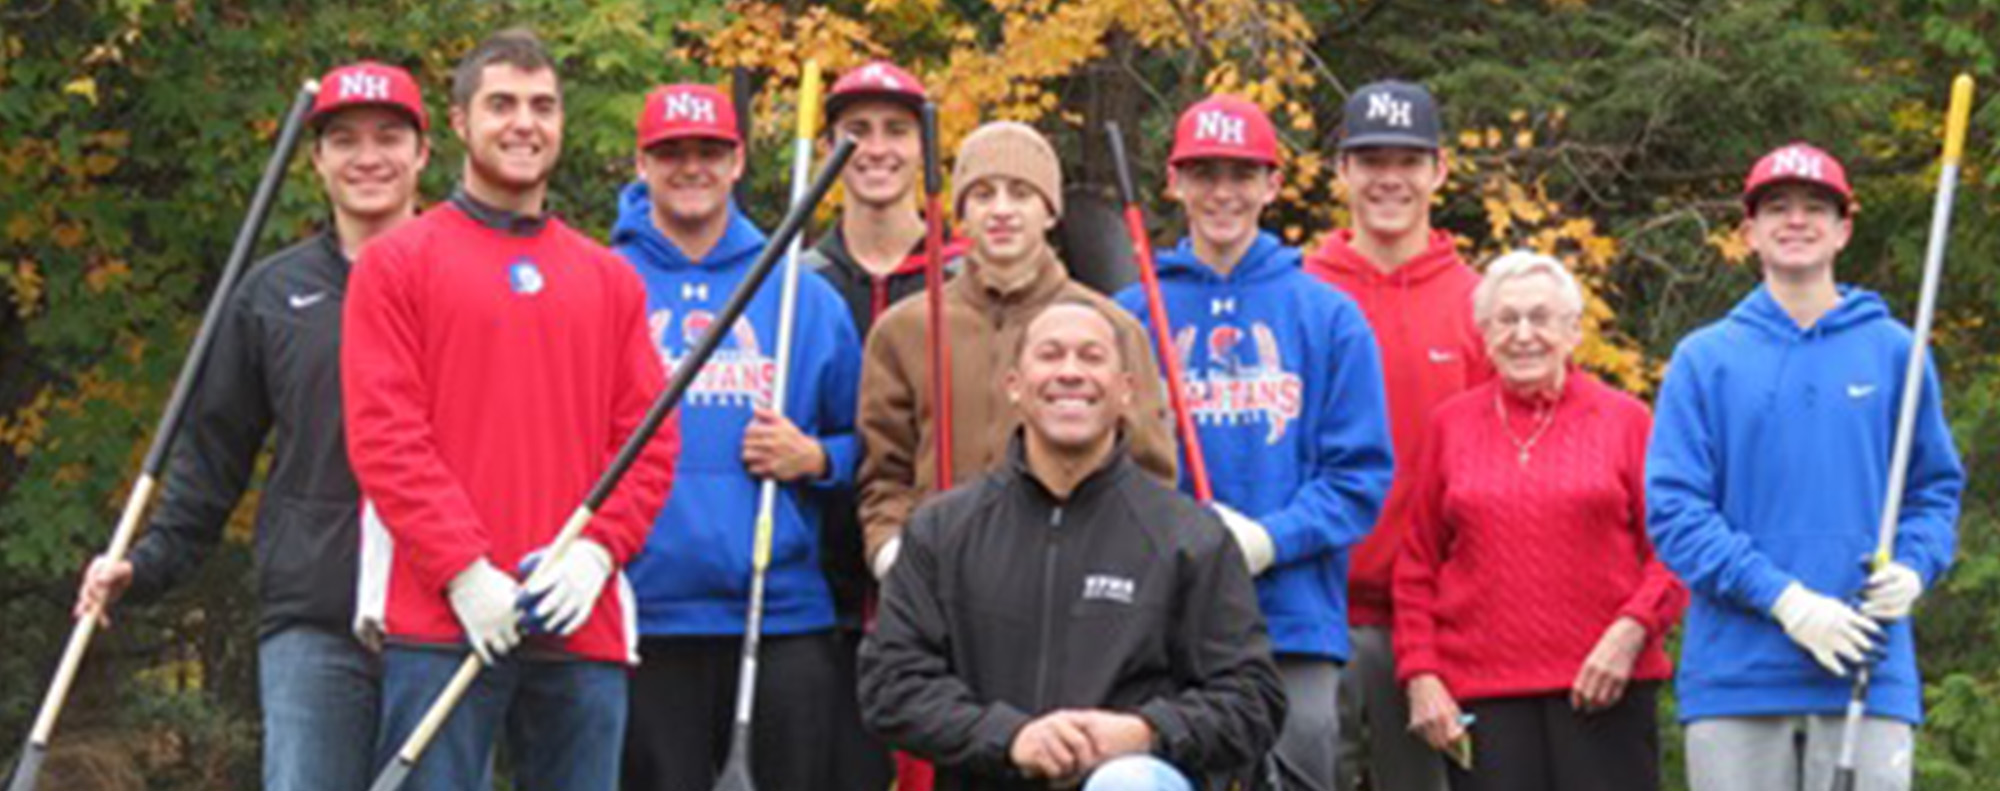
(494, 362)
(1417, 295)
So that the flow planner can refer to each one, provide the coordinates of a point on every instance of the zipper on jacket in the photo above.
(1048, 608)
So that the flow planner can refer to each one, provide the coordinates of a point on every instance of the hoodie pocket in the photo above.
(1734, 646)
(700, 546)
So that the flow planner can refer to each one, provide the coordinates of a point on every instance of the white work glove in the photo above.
(1892, 590)
(483, 599)
(1251, 537)
(1824, 627)
(885, 558)
(559, 599)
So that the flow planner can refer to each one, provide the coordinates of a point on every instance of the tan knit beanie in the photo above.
(1007, 148)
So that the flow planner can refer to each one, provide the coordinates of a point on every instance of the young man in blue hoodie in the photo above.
(1765, 480)
(692, 248)
(1285, 382)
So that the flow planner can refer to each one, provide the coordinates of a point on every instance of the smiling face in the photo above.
(1796, 229)
(512, 128)
(1223, 198)
(689, 178)
(368, 159)
(1069, 381)
(1008, 221)
(1530, 330)
(888, 158)
(1389, 190)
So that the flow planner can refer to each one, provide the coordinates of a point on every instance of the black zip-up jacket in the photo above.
(275, 364)
(868, 296)
(841, 548)
(1007, 603)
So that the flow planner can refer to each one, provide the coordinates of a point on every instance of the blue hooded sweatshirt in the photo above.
(1769, 463)
(1284, 380)
(693, 578)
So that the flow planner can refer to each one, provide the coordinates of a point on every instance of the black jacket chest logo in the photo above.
(1108, 587)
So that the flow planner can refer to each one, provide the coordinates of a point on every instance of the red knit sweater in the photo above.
(1511, 572)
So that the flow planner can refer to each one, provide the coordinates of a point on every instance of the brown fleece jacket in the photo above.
(985, 325)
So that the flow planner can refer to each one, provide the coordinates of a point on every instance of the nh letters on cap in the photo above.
(1218, 126)
(874, 73)
(1382, 106)
(690, 107)
(1799, 162)
(363, 86)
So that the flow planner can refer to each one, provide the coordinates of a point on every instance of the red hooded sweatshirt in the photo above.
(1431, 350)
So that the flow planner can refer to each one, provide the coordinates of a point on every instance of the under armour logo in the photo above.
(1218, 126)
(689, 107)
(694, 292)
(1383, 107)
(364, 87)
(1799, 162)
(1221, 305)
(880, 76)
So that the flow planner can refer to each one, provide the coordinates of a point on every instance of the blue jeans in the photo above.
(1137, 773)
(320, 690)
(564, 721)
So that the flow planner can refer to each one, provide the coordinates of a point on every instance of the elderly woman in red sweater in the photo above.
(1529, 605)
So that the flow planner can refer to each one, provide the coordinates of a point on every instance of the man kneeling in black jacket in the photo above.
(1067, 619)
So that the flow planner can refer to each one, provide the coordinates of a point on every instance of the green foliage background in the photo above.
(132, 131)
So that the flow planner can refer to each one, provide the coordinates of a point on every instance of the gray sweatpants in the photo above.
(1375, 722)
(1795, 753)
(1305, 749)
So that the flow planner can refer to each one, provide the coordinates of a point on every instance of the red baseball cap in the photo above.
(369, 84)
(1225, 127)
(673, 112)
(876, 80)
(1797, 163)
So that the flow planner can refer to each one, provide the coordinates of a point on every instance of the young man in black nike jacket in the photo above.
(275, 369)
(1067, 619)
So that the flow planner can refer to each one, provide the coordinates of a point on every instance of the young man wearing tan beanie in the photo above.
(1008, 196)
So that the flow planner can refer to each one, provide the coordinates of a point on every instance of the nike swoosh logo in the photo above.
(1442, 356)
(1859, 391)
(303, 301)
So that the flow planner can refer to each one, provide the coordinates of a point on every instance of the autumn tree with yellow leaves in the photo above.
(1071, 66)
(1613, 135)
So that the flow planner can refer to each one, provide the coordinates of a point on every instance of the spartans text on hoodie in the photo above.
(1284, 381)
(694, 576)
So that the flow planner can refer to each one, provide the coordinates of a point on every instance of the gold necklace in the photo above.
(1523, 448)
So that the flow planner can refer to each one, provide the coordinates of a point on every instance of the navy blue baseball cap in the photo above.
(1390, 114)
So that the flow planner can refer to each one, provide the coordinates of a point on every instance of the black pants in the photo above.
(860, 761)
(684, 698)
(1540, 744)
